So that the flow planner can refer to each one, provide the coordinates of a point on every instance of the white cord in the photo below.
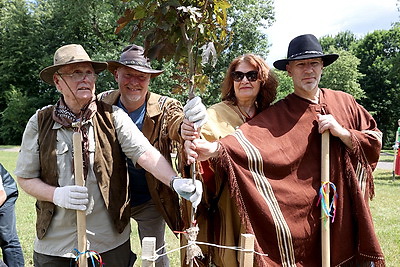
(154, 258)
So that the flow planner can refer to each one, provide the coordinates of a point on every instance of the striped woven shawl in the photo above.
(273, 168)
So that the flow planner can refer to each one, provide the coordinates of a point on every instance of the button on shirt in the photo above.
(61, 239)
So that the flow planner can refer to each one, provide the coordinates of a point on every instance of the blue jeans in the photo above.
(10, 245)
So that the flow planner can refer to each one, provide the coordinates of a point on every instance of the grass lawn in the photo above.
(385, 208)
(26, 218)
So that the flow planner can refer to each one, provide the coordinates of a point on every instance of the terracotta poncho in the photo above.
(273, 165)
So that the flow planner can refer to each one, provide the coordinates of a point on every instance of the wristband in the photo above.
(171, 183)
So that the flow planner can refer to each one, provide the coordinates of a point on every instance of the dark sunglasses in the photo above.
(251, 76)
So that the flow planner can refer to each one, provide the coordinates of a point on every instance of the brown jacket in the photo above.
(109, 164)
(161, 126)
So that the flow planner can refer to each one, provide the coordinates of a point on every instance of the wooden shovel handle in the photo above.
(325, 230)
(80, 215)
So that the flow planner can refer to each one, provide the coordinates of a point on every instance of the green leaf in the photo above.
(140, 12)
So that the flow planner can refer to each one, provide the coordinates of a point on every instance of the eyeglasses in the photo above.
(251, 76)
(79, 76)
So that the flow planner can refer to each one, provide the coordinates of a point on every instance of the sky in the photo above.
(326, 17)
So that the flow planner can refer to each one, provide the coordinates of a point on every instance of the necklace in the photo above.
(245, 115)
(315, 98)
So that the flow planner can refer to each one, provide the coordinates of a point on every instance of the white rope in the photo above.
(231, 247)
(161, 247)
(190, 243)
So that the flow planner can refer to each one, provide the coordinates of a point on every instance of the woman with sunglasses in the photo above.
(248, 88)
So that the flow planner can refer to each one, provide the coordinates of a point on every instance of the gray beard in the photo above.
(134, 98)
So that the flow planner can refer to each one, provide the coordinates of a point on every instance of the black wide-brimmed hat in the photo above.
(133, 57)
(304, 47)
(69, 54)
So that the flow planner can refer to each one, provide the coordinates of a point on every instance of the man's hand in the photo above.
(195, 112)
(200, 149)
(188, 190)
(328, 122)
(188, 132)
(71, 197)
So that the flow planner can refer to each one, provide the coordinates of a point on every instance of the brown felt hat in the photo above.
(305, 47)
(133, 57)
(69, 54)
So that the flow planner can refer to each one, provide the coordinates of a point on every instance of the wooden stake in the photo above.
(80, 215)
(148, 251)
(192, 213)
(246, 258)
(325, 231)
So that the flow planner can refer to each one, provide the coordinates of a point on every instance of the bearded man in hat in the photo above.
(159, 118)
(45, 166)
(273, 168)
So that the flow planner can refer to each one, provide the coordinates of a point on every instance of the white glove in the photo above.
(396, 146)
(72, 197)
(195, 112)
(189, 191)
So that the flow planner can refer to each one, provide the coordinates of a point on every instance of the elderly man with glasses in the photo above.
(45, 166)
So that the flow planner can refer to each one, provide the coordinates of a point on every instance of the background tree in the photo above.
(30, 32)
(191, 33)
(11, 120)
(343, 74)
(19, 50)
(377, 52)
(90, 23)
(243, 20)
(285, 86)
(345, 40)
(246, 21)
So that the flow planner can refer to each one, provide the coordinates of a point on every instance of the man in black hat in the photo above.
(159, 118)
(45, 167)
(273, 166)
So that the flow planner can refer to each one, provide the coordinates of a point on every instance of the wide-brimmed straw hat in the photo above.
(304, 47)
(69, 54)
(133, 57)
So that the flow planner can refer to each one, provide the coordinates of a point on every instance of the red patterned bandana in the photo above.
(64, 116)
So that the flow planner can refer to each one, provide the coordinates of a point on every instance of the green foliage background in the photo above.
(31, 31)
